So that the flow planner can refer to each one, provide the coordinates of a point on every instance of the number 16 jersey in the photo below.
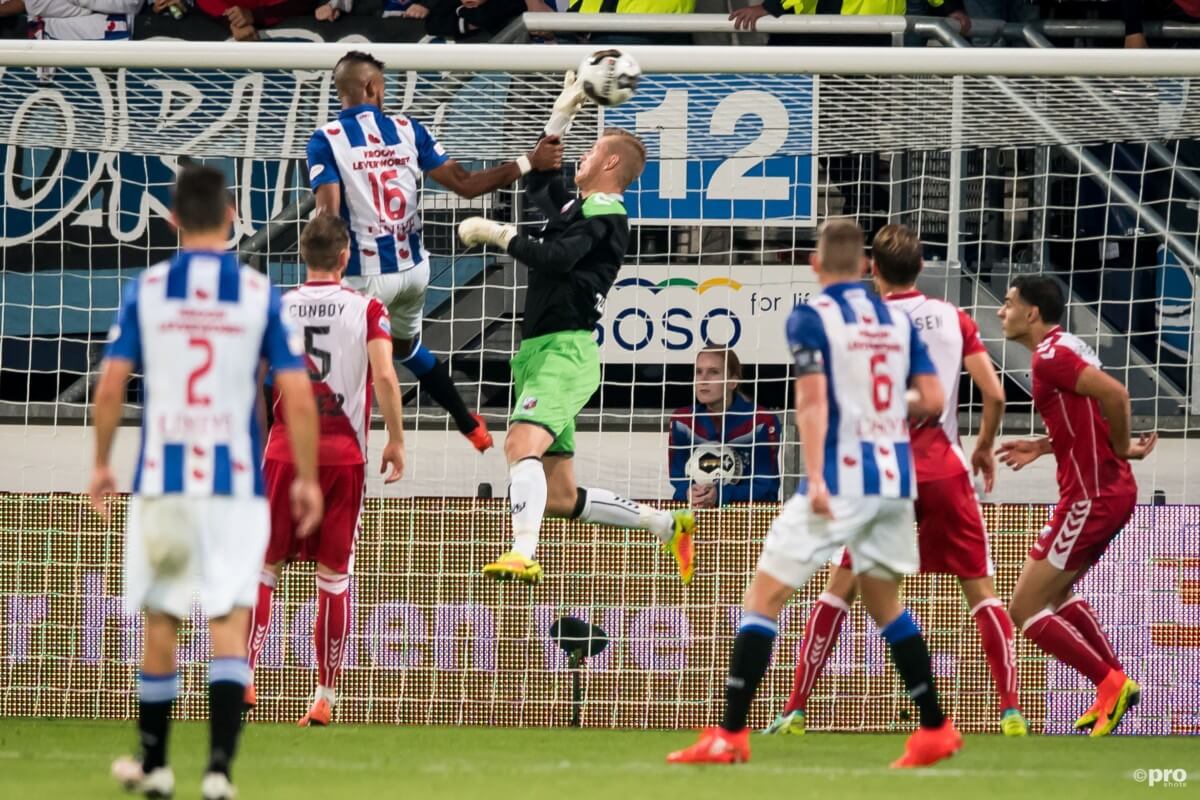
(337, 323)
(378, 159)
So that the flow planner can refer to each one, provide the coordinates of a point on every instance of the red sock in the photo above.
(996, 634)
(1083, 617)
(260, 621)
(1059, 638)
(820, 635)
(333, 624)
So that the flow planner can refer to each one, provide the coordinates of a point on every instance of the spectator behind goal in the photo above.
(725, 438)
(746, 19)
(76, 20)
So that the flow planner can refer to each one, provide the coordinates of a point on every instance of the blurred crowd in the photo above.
(481, 20)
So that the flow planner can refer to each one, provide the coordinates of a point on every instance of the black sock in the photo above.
(747, 665)
(156, 695)
(911, 656)
(228, 678)
(438, 384)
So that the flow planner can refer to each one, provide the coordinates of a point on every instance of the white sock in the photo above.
(328, 694)
(527, 495)
(605, 508)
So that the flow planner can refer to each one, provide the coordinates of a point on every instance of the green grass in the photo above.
(70, 759)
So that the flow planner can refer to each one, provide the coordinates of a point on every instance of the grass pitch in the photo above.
(69, 759)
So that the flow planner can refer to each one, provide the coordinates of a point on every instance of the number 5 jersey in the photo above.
(336, 323)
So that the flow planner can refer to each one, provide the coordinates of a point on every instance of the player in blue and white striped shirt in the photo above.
(199, 328)
(861, 369)
(366, 167)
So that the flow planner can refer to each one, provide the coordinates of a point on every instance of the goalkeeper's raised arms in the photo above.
(480, 230)
(569, 101)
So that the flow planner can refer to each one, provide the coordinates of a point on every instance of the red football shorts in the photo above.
(332, 545)
(950, 533)
(1081, 530)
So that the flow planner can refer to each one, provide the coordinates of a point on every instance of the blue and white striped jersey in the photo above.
(378, 158)
(197, 327)
(868, 352)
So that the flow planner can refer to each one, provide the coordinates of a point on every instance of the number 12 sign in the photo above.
(723, 149)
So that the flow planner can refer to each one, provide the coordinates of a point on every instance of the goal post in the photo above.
(1005, 161)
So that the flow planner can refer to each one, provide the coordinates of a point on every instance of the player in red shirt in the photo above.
(348, 344)
(951, 536)
(1086, 414)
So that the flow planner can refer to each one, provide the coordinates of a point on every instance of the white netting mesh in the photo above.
(976, 165)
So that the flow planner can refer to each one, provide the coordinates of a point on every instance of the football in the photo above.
(609, 77)
(714, 463)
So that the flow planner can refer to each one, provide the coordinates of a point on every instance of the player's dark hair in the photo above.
(897, 254)
(840, 247)
(322, 242)
(359, 57)
(1043, 293)
(733, 364)
(201, 200)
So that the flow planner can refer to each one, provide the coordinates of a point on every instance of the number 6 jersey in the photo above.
(378, 159)
(336, 323)
(867, 352)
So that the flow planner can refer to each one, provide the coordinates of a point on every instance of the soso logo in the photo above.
(671, 327)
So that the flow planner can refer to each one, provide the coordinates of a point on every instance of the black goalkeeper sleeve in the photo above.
(559, 253)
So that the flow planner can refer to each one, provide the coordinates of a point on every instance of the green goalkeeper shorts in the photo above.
(553, 378)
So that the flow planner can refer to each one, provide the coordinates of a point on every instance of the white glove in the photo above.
(566, 106)
(479, 230)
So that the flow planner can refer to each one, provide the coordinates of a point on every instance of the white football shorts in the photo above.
(178, 548)
(878, 532)
(403, 293)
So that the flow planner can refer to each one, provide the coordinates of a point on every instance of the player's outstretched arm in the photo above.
(300, 411)
(1018, 453)
(983, 373)
(547, 155)
(391, 405)
(1113, 398)
(812, 419)
(106, 416)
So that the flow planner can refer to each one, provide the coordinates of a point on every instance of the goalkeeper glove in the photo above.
(566, 106)
(479, 230)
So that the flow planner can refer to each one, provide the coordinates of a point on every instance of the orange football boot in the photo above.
(716, 746)
(928, 746)
(479, 437)
(319, 713)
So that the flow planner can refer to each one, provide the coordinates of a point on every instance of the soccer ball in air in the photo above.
(609, 77)
(714, 463)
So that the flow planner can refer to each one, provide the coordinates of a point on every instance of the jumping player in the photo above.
(348, 348)
(854, 358)
(197, 328)
(1087, 417)
(366, 167)
(572, 265)
(951, 537)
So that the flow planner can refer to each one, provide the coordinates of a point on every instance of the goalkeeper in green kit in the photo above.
(572, 265)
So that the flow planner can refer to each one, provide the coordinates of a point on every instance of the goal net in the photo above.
(1051, 162)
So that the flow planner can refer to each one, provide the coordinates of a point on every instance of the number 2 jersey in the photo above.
(197, 327)
(949, 336)
(336, 323)
(867, 351)
(378, 159)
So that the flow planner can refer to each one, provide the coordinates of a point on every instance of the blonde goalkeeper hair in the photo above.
(630, 153)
